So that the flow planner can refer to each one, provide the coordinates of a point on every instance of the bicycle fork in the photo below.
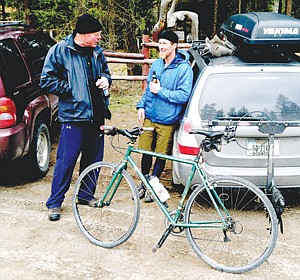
(112, 186)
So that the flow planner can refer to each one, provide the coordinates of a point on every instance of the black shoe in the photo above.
(148, 197)
(141, 190)
(54, 214)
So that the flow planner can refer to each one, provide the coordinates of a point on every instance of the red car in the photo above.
(26, 111)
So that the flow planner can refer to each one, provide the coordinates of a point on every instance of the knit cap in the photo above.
(87, 24)
(170, 35)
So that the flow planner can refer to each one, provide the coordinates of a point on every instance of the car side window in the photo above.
(15, 70)
(35, 52)
(48, 41)
(196, 71)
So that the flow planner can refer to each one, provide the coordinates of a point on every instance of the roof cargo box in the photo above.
(261, 29)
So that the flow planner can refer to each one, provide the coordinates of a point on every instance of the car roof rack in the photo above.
(259, 37)
(11, 23)
(198, 44)
(263, 30)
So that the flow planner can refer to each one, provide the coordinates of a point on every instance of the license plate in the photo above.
(259, 147)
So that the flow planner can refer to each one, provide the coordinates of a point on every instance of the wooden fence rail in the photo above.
(142, 58)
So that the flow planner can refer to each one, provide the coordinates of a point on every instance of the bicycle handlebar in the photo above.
(212, 140)
(132, 134)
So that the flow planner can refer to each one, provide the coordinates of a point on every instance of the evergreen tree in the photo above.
(123, 20)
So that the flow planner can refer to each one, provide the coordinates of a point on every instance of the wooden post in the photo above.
(145, 66)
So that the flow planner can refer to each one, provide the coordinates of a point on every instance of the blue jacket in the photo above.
(176, 85)
(65, 74)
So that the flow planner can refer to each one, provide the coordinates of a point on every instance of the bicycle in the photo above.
(216, 215)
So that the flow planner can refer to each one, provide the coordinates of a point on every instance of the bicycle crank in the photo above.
(163, 238)
(176, 230)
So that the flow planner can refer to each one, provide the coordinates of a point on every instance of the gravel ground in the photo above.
(32, 247)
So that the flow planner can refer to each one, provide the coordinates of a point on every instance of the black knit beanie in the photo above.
(87, 24)
(170, 35)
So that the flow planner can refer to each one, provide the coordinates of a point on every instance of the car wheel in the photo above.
(39, 155)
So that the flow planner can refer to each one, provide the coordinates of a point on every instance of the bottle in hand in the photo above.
(105, 91)
(154, 78)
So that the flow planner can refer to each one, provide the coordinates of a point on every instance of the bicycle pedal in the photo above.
(154, 249)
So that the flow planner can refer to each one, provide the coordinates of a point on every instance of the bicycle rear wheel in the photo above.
(251, 230)
(114, 222)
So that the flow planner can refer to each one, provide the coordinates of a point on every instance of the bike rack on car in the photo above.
(271, 128)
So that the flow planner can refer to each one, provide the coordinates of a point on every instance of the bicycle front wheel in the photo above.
(112, 223)
(249, 231)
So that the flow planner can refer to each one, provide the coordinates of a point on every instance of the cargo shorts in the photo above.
(160, 140)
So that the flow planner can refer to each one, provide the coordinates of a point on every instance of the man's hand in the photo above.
(154, 87)
(141, 115)
(102, 83)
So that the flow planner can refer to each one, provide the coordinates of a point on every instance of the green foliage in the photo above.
(154, 53)
(123, 20)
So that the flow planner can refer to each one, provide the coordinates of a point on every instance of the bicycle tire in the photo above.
(114, 223)
(253, 235)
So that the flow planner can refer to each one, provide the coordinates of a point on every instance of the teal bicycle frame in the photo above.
(117, 177)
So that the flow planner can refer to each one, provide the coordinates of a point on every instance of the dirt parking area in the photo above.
(32, 247)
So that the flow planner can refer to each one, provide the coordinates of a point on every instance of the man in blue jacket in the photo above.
(163, 101)
(76, 70)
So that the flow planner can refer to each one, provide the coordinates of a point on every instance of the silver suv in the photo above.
(259, 85)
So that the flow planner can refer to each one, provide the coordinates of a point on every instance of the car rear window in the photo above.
(12, 66)
(35, 51)
(233, 95)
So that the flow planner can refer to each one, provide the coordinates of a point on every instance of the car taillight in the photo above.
(8, 113)
(187, 150)
(187, 126)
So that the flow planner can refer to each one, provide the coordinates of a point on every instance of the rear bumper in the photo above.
(12, 142)
(284, 177)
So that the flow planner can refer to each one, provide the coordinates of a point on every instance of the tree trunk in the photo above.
(26, 11)
(240, 7)
(215, 21)
(110, 24)
(3, 10)
(280, 7)
(289, 7)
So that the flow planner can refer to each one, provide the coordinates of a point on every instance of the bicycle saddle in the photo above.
(208, 133)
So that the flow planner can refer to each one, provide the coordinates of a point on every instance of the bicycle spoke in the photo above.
(112, 223)
(244, 242)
